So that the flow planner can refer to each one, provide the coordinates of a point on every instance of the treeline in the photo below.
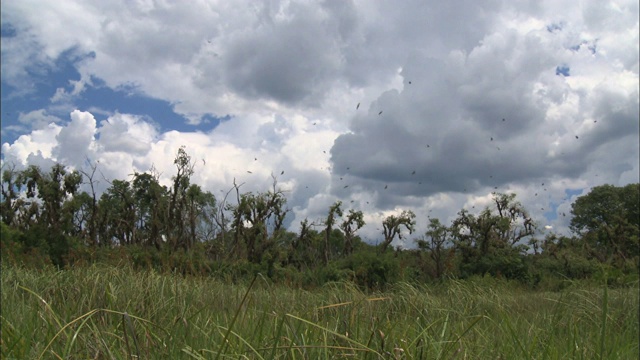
(46, 219)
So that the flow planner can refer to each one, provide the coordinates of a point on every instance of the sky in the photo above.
(427, 106)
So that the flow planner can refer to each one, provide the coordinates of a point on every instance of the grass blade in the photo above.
(223, 345)
(362, 346)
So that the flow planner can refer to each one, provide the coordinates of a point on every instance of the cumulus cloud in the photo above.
(456, 99)
(75, 140)
(38, 143)
(127, 133)
(37, 119)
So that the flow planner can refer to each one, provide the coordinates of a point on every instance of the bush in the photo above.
(372, 270)
(509, 265)
(18, 249)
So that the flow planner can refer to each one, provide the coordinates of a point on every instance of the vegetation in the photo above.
(99, 312)
(176, 272)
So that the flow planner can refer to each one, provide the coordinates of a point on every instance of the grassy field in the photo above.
(118, 313)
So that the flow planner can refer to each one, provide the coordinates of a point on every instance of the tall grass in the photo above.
(117, 313)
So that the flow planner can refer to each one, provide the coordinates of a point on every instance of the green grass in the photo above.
(103, 312)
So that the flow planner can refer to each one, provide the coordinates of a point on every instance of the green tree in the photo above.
(117, 220)
(10, 188)
(201, 207)
(151, 203)
(176, 230)
(303, 252)
(492, 242)
(81, 211)
(17, 211)
(263, 214)
(435, 241)
(514, 222)
(199, 215)
(608, 220)
(52, 189)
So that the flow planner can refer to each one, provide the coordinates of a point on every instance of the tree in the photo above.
(438, 237)
(392, 226)
(92, 209)
(302, 252)
(353, 223)
(151, 203)
(329, 222)
(202, 207)
(81, 210)
(263, 214)
(237, 214)
(52, 189)
(16, 210)
(10, 188)
(514, 222)
(223, 245)
(178, 202)
(607, 219)
(492, 242)
(198, 202)
(117, 214)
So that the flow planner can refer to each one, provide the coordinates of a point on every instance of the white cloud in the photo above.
(127, 133)
(75, 141)
(37, 119)
(444, 75)
(38, 142)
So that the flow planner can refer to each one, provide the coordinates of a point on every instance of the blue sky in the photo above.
(456, 99)
(99, 98)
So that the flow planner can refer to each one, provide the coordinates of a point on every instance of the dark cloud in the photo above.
(289, 59)
(484, 119)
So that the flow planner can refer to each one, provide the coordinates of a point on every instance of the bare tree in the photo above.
(264, 214)
(329, 222)
(392, 227)
(353, 223)
(92, 226)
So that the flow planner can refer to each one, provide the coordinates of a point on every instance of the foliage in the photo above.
(119, 312)
(372, 271)
(491, 243)
(608, 220)
(186, 230)
(437, 241)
